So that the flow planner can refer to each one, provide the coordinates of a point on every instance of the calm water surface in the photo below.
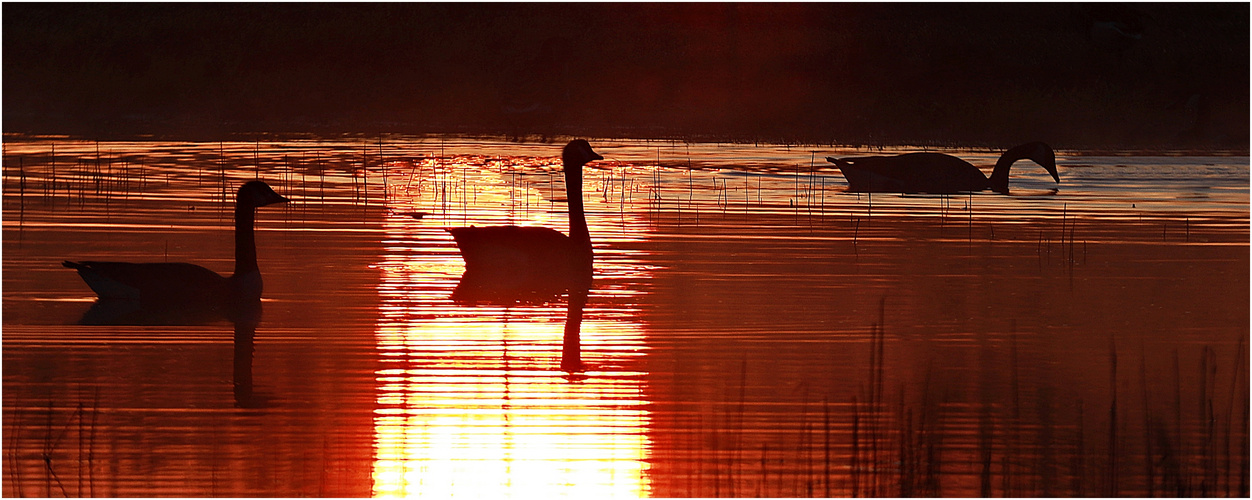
(753, 330)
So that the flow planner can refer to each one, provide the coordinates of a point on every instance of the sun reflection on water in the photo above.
(473, 401)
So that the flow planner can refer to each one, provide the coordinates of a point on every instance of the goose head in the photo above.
(1037, 152)
(576, 154)
(258, 194)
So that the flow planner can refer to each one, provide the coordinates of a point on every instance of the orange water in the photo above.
(753, 329)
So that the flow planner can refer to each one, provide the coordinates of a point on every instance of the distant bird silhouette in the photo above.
(936, 172)
(181, 287)
(509, 262)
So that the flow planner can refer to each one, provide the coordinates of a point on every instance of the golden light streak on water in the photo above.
(473, 401)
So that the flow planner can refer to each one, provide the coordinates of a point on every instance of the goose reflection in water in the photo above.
(937, 173)
(571, 347)
(188, 294)
(245, 316)
(571, 344)
(245, 335)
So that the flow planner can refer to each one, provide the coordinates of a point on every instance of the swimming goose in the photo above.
(166, 284)
(936, 172)
(512, 260)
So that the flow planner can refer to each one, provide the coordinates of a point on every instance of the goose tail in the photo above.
(837, 161)
(105, 286)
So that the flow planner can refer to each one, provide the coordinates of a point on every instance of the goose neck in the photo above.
(999, 180)
(245, 241)
(578, 231)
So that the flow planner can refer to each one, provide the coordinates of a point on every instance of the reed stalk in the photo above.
(1112, 478)
(826, 445)
(1149, 455)
(15, 430)
(856, 448)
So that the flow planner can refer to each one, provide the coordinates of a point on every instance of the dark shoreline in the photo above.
(1103, 76)
(693, 139)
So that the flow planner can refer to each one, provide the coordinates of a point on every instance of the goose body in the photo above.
(937, 173)
(169, 284)
(512, 261)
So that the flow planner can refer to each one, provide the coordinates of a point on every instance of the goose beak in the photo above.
(596, 156)
(1044, 156)
(277, 198)
(1051, 168)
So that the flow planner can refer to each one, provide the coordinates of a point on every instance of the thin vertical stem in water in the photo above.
(54, 173)
(21, 183)
(826, 445)
(1177, 402)
(1064, 209)
(856, 448)
(874, 426)
(1008, 472)
(1149, 452)
(806, 445)
(81, 441)
(1243, 469)
(1208, 382)
(1234, 382)
(383, 162)
(221, 170)
(1112, 477)
(970, 208)
(1080, 448)
(14, 432)
(738, 450)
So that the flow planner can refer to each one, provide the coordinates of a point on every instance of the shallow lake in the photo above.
(753, 328)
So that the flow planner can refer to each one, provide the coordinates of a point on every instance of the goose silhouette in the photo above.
(508, 263)
(937, 173)
(180, 286)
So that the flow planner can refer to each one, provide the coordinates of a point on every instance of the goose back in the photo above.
(527, 252)
(910, 173)
(151, 283)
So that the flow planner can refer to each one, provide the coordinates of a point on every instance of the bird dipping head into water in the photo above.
(937, 173)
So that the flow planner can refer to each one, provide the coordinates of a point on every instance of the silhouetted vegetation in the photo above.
(1104, 75)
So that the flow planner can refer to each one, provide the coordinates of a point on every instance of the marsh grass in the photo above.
(910, 440)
